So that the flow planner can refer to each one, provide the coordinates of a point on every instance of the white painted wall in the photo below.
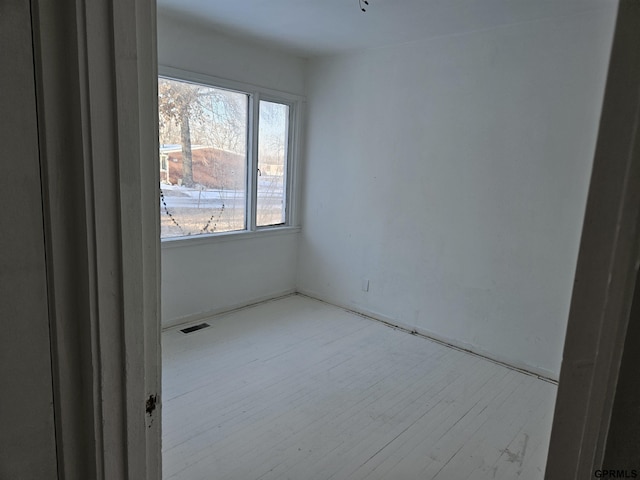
(453, 174)
(194, 47)
(200, 277)
(207, 278)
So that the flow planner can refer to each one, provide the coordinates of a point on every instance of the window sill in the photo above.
(177, 242)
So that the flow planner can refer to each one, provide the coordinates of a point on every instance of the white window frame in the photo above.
(255, 95)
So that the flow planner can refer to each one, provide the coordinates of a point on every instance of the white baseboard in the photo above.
(197, 317)
(523, 367)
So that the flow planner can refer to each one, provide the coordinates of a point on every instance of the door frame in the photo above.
(606, 271)
(96, 89)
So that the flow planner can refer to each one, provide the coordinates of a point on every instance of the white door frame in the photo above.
(96, 78)
(606, 269)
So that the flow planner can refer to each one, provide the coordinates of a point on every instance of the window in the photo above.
(225, 158)
(273, 135)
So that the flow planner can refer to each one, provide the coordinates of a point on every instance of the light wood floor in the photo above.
(298, 389)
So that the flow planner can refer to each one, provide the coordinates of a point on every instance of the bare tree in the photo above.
(273, 132)
(178, 104)
(210, 124)
(225, 120)
(204, 115)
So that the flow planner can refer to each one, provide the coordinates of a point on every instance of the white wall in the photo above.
(453, 174)
(207, 278)
(200, 277)
(196, 48)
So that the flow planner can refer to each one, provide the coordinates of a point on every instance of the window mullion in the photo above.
(252, 167)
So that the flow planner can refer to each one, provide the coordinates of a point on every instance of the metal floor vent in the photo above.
(194, 328)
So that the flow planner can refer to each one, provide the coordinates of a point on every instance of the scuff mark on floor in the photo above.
(517, 457)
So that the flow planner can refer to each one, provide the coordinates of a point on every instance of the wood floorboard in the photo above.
(412, 452)
(434, 409)
(298, 389)
(256, 386)
(334, 429)
(391, 419)
(285, 398)
(456, 463)
(297, 420)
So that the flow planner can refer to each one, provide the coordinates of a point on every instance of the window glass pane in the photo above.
(203, 158)
(273, 136)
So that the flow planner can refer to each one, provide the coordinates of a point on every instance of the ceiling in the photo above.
(318, 27)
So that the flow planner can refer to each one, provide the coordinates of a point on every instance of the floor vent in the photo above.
(194, 328)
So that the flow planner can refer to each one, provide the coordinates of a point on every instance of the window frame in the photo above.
(255, 94)
(254, 161)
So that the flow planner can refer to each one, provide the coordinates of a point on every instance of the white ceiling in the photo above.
(316, 27)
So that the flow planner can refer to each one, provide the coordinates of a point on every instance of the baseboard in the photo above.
(541, 373)
(523, 367)
(196, 317)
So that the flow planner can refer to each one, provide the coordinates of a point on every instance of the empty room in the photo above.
(320, 240)
(370, 219)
